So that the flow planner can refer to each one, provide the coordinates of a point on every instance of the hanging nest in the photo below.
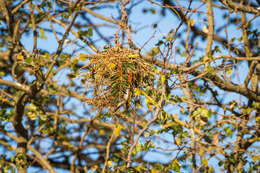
(113, 73)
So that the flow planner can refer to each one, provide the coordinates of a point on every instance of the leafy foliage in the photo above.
(83, 94)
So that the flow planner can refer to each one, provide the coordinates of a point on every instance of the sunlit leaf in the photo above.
(137, 92)
(163, 78)
(117, 130)
(229, 71)
(20, 57)
(176, 165)
(110, 163)
(191, 21)
(42, 36)
(256, 158)
(82, 57)
(112, 65)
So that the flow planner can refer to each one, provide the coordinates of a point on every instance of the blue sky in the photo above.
(145, 21)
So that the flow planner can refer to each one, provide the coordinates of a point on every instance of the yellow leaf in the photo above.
(205, 162)
(150, 106)
(257, 120)
(249, 110)
(155, 50)
(3, 100)
(19, 57)
(43, 116)
(66, 143)
(254, 139)
(134, 56)
(93, 47)
(101, 131)
(154, 170)
(178, 141)
(192, 22)
(82, 57)
(112, 65)
(139, 168)
(42, 36)
(110, 163)
(32, 106)
(229, 71)
(163, 78)
(10, 148)
(94, 167)
(77, 35)
(175, 116)
(146, 134)
(168, 125)
(256, 158)
(180, 122)
(137, 92)
(32, 115)
(211, 169)
(117, 130)
(182, 110)
(157, 71)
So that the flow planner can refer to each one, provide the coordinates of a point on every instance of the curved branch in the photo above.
(229, 86)
(197, 31)
(43, 162)
(225, 85)
(211, 28)
(15, 85)
(241, 7)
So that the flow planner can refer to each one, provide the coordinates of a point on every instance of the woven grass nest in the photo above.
(113, 72)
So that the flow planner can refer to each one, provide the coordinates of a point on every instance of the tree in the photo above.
(79, 92)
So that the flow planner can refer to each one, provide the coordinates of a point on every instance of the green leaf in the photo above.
(131, 170)
(86, 33)
(139, 148)
(90, 32)
(154, 51)
(205, 113)
(217, 49)
(114, 85)
(210, 69)
(115, 77)
(176, 165)
(153, 11)
(28, 60)
(159, 43)
(114, 92)
(125, 83)
(232, 39)
(228, 131)
(42, 36)
(184, 54)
